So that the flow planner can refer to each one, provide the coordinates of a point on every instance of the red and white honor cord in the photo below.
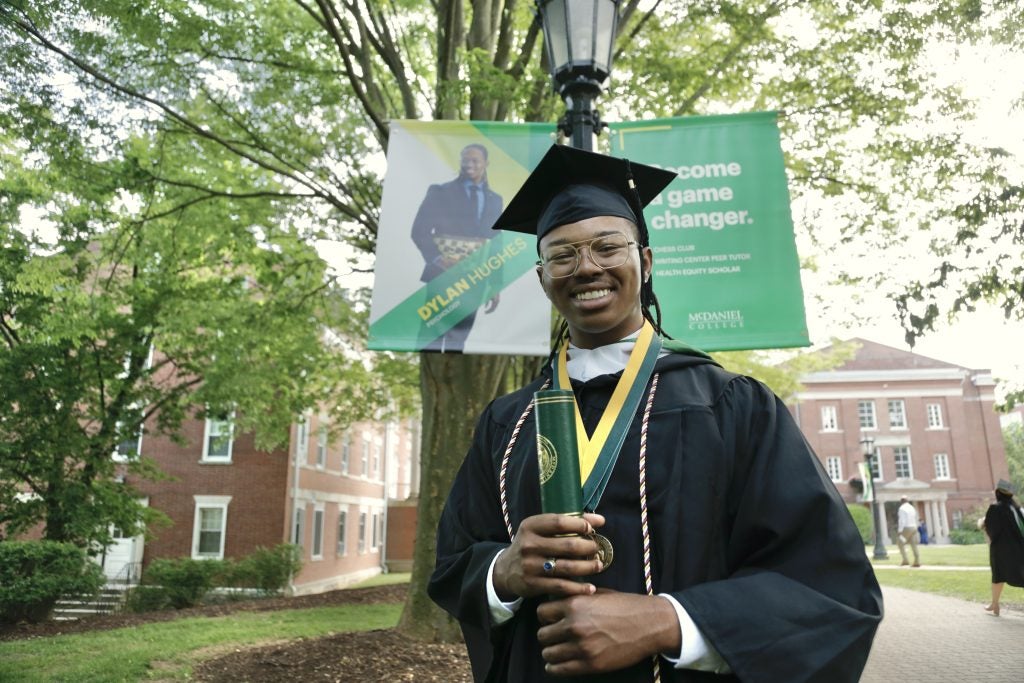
(504, 462)
(648, 582)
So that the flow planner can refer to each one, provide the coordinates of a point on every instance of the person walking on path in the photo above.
(1004, 525)
(907, 533)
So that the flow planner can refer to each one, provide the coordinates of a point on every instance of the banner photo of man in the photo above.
(444, 281)
(725, 263)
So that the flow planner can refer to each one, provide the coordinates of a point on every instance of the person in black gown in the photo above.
(734, 556)
(1004, 525)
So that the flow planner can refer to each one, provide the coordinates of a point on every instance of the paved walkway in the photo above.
(932, 638)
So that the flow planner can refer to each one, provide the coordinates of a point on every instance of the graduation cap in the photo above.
(570, 185)
(1006, 487)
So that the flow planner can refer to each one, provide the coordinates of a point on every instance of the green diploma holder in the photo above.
(557, 452)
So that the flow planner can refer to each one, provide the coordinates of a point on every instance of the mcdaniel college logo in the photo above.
(716, 320)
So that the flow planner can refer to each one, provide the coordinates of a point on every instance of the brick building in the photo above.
(331, 496)
(936, 432)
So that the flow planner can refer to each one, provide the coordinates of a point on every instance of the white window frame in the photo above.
(901, 411)
(366, 458)
(209, 503)
(321, 447)
(374, 531)
(861, 415)
(941, 461)
(362, 532)
(829, 419)
(898, 455)
(834, 467)
(341, 548)
(208, 435)
(299, 527)
(317, 545)
(934, 411)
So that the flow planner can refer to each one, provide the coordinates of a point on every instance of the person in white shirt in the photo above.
(907, 532)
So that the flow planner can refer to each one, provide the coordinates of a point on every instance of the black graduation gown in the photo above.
(1006, 548)
(747, 532)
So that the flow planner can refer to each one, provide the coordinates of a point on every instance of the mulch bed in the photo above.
(382, 655)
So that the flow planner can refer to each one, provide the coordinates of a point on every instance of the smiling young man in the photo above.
(728, 554)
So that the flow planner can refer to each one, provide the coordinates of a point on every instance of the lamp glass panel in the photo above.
(556, 33)
(604, 35)
(581, 30)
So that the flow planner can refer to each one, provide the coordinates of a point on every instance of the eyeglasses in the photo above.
(607, 251)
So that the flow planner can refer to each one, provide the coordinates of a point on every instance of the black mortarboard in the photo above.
(570, 185)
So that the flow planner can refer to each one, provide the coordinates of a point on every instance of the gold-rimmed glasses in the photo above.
(606, 251)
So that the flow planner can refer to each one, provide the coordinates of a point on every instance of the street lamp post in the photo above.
(869, 453)
(578, 37)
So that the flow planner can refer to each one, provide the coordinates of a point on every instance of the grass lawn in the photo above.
(939, 555)
(966, 585)
(167, 650)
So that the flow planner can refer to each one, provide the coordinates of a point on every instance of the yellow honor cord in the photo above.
(590, 447)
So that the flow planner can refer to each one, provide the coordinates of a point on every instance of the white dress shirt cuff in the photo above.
(696, 652)
(500, 611)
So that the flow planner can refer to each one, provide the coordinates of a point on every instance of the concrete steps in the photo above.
(110, 599)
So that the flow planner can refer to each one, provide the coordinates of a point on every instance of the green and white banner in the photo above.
(443, 279)
(725, 264)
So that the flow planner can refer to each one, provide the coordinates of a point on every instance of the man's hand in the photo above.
(519, 570)
(605, 632)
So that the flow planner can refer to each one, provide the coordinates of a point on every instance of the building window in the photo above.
(366, 457)
(934, 416)
(342, 520)
(362, 532)
(130, 449)
(834, 465)
(901, 462)
(376, 460)
(318, 534)
(346, 450)
(376, 540)
(321, 447)
(210, 527)
(299, 527)
(219, 439)
(866, 414)
(380, 528)
(958, 519)
(829, 419)
(876, 465)
(941, 466)
(897, 415)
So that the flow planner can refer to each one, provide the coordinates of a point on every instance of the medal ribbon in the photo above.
(599, 453)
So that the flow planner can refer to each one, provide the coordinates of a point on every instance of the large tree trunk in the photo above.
(455, 390)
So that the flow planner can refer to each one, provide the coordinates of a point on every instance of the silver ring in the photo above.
(549, 565)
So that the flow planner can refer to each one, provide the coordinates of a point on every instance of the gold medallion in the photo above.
(605, 551)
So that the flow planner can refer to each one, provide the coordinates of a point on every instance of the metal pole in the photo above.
(880, 551)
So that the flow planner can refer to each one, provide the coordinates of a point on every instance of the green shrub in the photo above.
(144, 598)
(184, 581)
(966, 536)
(862, 518)
(35, 574)
(266, 569)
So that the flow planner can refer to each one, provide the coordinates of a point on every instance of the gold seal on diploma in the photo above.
(605, 551)
(547, 458)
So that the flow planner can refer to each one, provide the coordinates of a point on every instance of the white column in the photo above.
(930, 518)
(943, 521)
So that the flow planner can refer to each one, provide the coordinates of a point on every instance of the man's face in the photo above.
(601, 306)
(474, 164)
